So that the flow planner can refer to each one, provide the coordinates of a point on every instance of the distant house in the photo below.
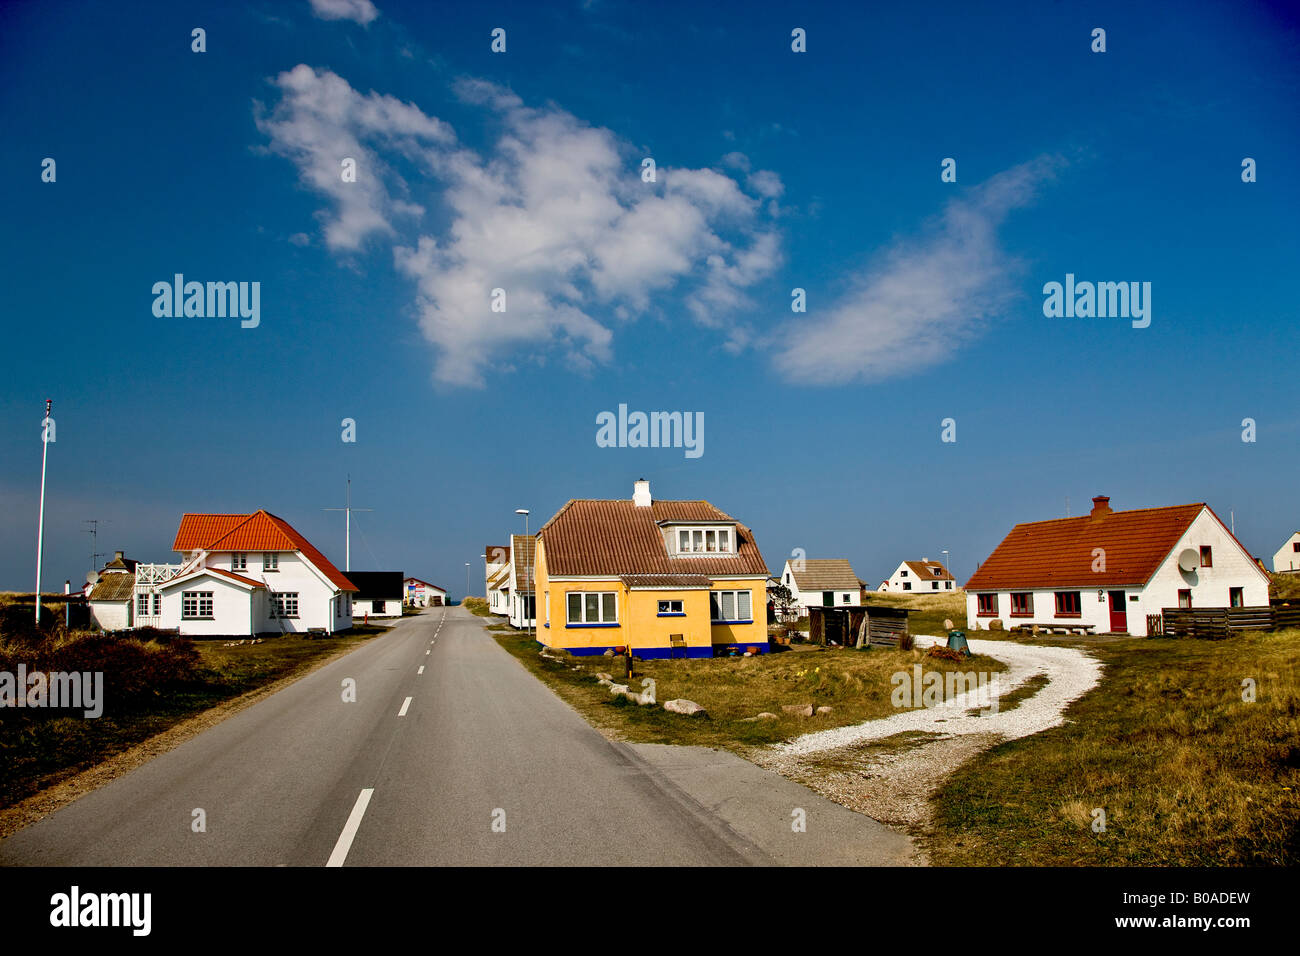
(497, 576)
(1287, 557)
(379, 593)
(423, 594)
(244, 574)
(922, 577)
(523, 570)
(661, 578)
(1109, 569)
(821, 582)
(110, 598)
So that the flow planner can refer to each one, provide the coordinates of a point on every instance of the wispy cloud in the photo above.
(554, 212)
(922, 298)
(359, 11)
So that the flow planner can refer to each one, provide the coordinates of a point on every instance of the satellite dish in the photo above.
(92, 577)
(1188, 559)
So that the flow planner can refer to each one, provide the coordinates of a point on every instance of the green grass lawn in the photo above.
(855, 684)
(39, 749)
(1186, 772)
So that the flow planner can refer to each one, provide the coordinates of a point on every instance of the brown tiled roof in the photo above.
(614, 537)
(922, 570)
(114, 586)
(499, 577)
(825, 574)
(496, 554)
(666, 580)
(525, 560)
(1059, 553)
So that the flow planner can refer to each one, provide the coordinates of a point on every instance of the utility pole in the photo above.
(528, 572)
(347, 556)
(40, 523)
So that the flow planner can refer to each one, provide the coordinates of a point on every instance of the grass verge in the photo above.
(1186, 771)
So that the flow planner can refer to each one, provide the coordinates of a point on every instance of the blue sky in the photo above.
(521, 170)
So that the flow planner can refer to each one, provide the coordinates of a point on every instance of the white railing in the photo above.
(153, 574)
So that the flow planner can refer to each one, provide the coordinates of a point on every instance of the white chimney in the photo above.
(641, 493)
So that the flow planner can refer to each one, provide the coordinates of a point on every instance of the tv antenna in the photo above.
(93, 531)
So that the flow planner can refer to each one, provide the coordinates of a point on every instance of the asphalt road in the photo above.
(452, 753)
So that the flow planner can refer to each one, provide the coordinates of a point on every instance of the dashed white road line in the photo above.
(350, 828)
(420, 671)
(405, 704)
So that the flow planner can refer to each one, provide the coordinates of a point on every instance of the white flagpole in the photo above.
(40, 525)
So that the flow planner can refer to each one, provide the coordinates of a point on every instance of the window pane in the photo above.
(683, 541)
(728, 605)
(711, 540)
(607, 599)
(697, 540)
(593, 607)
(575, 607)
(715, 611)
(745, 610)
(724, 541)
(664, 606)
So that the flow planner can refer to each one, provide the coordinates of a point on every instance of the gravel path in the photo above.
(894, 784)
(1070, 674)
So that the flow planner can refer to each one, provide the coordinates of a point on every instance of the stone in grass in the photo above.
(683, 706)
(823, 709)
(803, 710)
(601, 675)
(765, 716)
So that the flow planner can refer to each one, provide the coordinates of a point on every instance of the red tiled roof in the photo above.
(615, 537)
(922, 570)
(1059, 553)
(260, 531)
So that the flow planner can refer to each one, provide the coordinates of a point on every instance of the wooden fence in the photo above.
(1216, 623)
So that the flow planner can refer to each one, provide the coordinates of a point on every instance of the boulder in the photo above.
(803, 710)
(823, 709)
(765, 716)
(682, 706)
(995, 624)
(947, 624)
(616, 689)
(601, 675)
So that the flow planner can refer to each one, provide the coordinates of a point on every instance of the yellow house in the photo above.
(661, 578)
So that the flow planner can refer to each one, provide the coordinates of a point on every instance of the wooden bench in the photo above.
(1057, 628)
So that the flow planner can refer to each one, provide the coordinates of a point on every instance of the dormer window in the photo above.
(705, 541)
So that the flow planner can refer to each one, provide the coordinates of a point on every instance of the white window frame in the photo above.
(719, 602)
(671, 611)
(157, 603)
(695, 540)
(196, 600)
(142, 604)
(239, 561)
(270, 561)
(582, 620)
(281, 601)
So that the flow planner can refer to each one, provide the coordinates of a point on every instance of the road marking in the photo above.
(350, 829)
(405, 704)
(421, 670)
(426, 653)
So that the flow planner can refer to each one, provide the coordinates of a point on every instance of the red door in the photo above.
(1118, 613)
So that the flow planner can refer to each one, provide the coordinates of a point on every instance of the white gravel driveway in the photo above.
(1070, 674)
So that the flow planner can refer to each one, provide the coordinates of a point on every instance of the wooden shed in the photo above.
(857, 626)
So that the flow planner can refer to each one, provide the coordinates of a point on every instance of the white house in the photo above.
(378, 594)
(523, 571)
(920, 577)
(497, 575)
(1288, 556)
(240, 575)
(821, 582)
(1110, 569)
(423, 594)
(110, 596)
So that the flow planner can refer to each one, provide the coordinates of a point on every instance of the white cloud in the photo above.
(359, 11)
(554, 212)
(922, 298)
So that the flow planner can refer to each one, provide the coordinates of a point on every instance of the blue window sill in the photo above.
(732, 622)
(672, 614)
(615, 624)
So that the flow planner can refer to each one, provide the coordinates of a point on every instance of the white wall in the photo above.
(815, 598)
(111, 615)
(234, 610)
(1287, 557)
(363, 607)
(905, 575)
(1232, 567)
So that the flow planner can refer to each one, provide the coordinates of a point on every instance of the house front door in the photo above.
(1118, 613)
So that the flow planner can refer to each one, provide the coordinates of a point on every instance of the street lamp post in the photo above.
(947, 565)
(528, 572)
(462, 600)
